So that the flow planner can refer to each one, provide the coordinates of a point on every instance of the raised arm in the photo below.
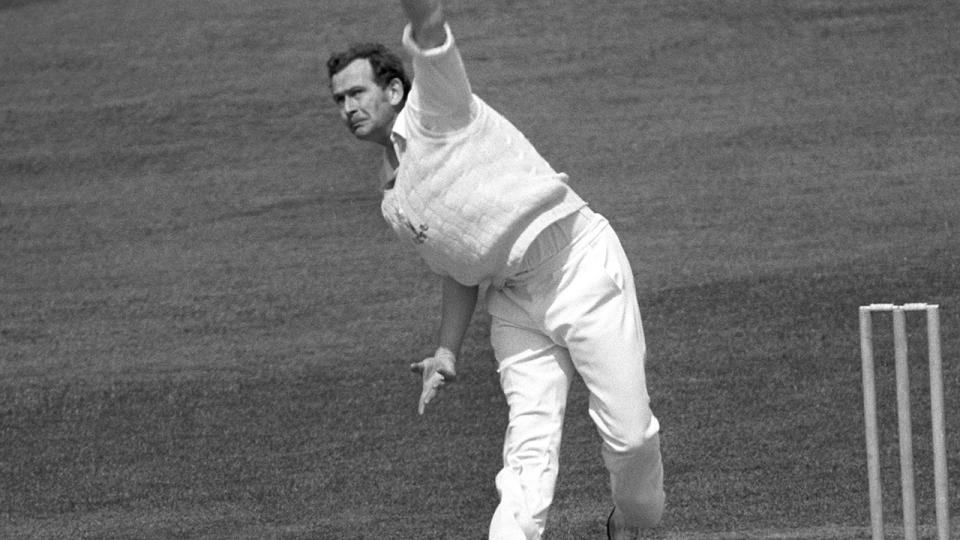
(441, 97)
(426, 17)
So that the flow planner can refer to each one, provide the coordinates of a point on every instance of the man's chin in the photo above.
(368, 137)
(360, 133)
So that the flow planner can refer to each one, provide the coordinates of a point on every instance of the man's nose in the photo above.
(349, 106)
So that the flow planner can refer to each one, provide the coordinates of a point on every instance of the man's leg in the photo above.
(535, 375)
(596, 316)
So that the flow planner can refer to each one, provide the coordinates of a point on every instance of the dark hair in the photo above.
(386, 65)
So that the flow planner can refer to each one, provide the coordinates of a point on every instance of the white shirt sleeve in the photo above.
(441, 97)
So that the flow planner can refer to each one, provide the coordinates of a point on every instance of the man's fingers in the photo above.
(430, 387)
(425, 398)
(434, 376)
(449, 374)
(434, 382)
(421, 366)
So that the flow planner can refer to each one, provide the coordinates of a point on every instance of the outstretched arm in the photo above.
(459, 302)
(426, 17)
(441, 96)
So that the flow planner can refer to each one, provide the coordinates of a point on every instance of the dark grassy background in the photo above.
(204, 324)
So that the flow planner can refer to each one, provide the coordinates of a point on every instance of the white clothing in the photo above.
(481, 204)
(471, 192)
(573, 310)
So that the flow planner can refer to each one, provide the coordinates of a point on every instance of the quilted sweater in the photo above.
(471, 194)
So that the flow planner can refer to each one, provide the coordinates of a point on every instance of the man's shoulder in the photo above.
(412, 122)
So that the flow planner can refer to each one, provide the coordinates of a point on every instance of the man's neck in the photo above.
(387, 143)
(391, 155)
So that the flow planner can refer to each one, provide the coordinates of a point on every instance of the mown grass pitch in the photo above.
(205, 326)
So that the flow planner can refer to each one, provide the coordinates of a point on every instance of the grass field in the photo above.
(205, 324)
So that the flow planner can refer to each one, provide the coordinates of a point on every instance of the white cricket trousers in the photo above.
(572, 309)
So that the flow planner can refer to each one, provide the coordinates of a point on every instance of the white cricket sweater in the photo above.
(471, 193)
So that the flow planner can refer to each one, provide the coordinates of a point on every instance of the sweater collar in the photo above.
(398, 138)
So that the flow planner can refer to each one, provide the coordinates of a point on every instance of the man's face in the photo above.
(366, 109)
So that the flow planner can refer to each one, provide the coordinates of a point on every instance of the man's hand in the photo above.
(436, 371)
(427, 19)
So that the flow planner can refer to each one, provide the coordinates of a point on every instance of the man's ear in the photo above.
(395, 92)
